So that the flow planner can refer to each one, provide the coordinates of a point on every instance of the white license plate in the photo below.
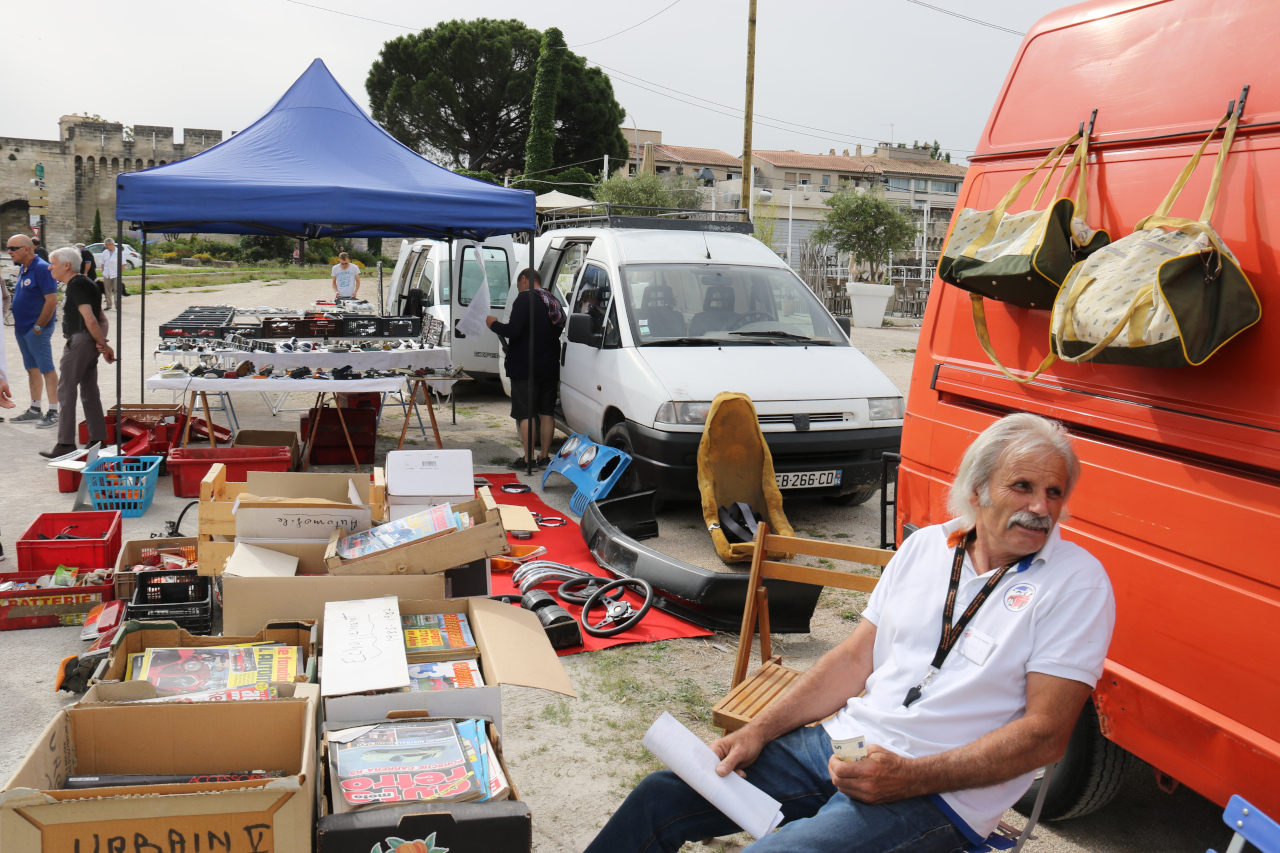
(808, 479)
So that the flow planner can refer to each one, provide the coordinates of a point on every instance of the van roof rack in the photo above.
(608, 215)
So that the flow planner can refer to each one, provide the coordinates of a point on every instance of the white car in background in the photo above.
(132, 260)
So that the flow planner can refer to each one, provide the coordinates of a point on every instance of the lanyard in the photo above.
(952, 633)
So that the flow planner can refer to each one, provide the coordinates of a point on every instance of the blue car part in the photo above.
(593, 468)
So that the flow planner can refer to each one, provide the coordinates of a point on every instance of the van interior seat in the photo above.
(657, 309)
(717, 313)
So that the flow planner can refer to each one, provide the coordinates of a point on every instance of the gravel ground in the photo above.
(572, 759)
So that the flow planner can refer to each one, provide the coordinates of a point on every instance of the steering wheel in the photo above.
(750, 317)
(569, 590)
(620, 613)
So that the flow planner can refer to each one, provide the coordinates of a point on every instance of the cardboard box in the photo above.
(426, 501)
(430, 472)
(135, 637)
(219, 503)
(274, 815)
(486, 538)
(513, 650)
(269, 438)
(119, 692)
(248, 603)
(504, 826)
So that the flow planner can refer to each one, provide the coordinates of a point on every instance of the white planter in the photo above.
(868, 302)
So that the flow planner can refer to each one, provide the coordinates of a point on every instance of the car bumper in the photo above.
(668, 461)
(712, 600)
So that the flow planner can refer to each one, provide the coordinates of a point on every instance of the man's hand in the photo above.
(107, 353)
(737, 750)
(490, 320)
(6, 398)
(881, 777)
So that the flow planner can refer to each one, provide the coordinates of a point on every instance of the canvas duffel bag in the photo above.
(1168, 295)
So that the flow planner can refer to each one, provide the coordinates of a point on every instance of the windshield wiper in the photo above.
(680, 342)
(776, 333)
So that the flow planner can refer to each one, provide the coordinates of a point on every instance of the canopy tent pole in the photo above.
(119, 334)
(535, 422)
(142, 323)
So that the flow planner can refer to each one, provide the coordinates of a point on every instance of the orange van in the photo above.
(1180, 495)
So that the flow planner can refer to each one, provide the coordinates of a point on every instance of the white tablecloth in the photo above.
(375, 359)
(313, 386)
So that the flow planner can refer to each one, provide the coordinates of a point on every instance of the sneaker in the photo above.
(31, 415)
(58, 450)
(49, 421)
(518, 464)
(544, 461)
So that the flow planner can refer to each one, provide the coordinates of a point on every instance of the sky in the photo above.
(829, 73)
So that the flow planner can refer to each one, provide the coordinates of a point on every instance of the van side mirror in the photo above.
(843, 323)
(580, 331)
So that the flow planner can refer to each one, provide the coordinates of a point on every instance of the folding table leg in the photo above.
(431, 413)
(342, 420)
(186, 427)
(208, 417)
(414, 384)
(311, 433)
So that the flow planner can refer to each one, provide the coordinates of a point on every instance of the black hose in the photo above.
(172, 528)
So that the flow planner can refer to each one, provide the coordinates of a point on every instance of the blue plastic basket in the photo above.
(126, 484)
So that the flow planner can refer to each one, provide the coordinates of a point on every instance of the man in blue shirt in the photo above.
(35, 309)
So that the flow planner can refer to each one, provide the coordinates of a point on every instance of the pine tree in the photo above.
(95, 236)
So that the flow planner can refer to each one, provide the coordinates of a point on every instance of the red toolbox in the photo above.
(43, 556)
(49, 608)
(361, 400)
(188, 465)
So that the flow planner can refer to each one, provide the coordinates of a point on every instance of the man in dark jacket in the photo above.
(545, 370)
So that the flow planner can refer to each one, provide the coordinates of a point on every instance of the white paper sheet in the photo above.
(363, 647)
(695, 763)
(473, 321)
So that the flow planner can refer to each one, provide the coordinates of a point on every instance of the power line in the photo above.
(967, 18)
(736, 112)
(628, 29)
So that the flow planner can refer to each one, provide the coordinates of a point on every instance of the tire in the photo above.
(630, 482)
(852, 499)
(1088, 777)
(130, 265)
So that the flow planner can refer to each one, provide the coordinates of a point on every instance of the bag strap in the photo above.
(1176, 190)
(997, 214)
(1227, 138)
(1144, 297)
(1044, 185)
(984, 338)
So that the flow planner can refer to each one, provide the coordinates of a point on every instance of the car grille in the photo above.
(814, 418)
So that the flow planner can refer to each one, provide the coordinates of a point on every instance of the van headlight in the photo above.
(886, 408)
(682, 413)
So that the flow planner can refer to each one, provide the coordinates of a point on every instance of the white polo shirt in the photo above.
(1054, 616)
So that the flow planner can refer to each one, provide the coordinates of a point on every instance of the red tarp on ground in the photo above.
(565, 545)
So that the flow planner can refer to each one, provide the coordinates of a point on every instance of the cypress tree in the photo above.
(539, 152)
(95, 236)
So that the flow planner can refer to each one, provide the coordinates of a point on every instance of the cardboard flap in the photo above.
(331, 487)
(514, 648)
(250, 561)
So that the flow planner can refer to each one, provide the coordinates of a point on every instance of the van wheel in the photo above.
(851, 499)
(1088, 777)
(619, 437)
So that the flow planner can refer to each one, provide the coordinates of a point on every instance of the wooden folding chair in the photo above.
(751, 694)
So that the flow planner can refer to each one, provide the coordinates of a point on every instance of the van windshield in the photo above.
(674, 304)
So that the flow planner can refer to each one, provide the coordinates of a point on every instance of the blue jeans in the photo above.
(663, 812)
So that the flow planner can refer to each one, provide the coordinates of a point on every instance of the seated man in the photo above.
(977, 650)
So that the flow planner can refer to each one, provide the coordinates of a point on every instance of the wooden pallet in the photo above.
(755, 693)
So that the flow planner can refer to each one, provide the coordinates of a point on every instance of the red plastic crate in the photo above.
(361, 400)
(43, 556)
(20, 608)
(361, 426)
(341, 455)
(188, 465)
(132, 429)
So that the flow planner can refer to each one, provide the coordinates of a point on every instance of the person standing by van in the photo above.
(537, 309)
(110, 271)
(346, 277)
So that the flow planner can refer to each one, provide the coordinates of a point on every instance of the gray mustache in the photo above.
(1030, 519)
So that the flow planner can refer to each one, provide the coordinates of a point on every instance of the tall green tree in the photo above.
(650, 191)
(461, 93)
(539, 154)
(867, 226)
(95, 236)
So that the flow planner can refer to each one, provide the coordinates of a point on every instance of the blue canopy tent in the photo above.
(315, 165)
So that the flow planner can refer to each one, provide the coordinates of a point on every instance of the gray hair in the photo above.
(1021, 434)
(66, 255)
(79, 245)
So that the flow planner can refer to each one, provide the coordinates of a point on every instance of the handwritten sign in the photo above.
(244, 832)
(299, 522)
(363, 647)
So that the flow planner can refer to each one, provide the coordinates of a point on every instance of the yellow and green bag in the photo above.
(1170, 294)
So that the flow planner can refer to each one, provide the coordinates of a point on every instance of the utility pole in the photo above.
(748, 173)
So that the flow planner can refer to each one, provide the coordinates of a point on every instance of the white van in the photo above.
(425, 265)
(664, 314)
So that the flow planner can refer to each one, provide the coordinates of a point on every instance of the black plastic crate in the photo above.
(321, 327)
(401, 327)
(187, 601)
(282, 327)
(362, 327)
(193, 329)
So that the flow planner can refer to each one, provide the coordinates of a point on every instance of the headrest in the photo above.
(719, 297)
(658, 296)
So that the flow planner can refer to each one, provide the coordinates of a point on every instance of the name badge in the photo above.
(976, 646)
